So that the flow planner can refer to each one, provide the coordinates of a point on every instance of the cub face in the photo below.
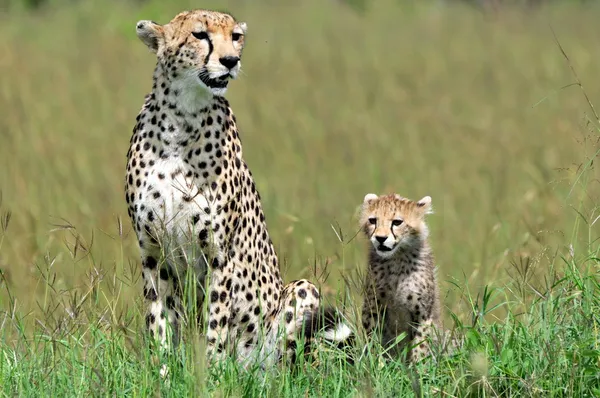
(392, 222)
(199, 47)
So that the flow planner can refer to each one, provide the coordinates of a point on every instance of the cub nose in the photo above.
(380, 239)
(229, 62)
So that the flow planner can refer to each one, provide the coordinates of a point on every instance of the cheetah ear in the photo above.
(369, 197)
(425, 204)
(243, 26)
(150, 33)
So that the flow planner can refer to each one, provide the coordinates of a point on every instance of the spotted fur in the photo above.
(194, 204)
(401, 292)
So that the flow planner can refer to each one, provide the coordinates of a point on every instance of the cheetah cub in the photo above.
(401, 293)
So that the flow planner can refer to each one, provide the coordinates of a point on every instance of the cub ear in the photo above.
(151, 34)
(369, 197)
(425, 204)
(243, 26)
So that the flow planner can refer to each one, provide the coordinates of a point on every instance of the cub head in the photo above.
(197, 48)
(392, 222)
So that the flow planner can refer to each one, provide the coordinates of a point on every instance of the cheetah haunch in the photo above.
(401, 292)
(194, 204)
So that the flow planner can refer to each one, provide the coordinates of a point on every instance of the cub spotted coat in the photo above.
(401, 293)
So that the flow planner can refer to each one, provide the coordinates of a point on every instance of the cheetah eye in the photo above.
(372, 220)
(396, 223)
(236, 36)
(200, 35)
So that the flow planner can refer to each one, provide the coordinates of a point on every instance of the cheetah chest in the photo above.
(182, 213)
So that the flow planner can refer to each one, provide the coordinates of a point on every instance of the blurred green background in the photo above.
(336, 99)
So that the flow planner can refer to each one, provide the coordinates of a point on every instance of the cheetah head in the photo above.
(391, 222)
(199, 50)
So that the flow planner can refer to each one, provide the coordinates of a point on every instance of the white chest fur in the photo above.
(179, 185)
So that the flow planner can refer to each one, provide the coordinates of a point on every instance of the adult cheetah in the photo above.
(194, 204)
(401, 292)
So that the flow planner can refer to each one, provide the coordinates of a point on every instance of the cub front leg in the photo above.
(421, 332)
(420, 308)
(370, 311)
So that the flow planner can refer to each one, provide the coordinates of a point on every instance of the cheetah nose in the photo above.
(381, 239)
(229, 62)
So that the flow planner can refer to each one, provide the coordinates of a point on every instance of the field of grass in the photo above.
(332, 104)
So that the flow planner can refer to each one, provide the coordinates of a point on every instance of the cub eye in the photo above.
(396, 223)
(236, 36)
(372, 220)
(200, 35)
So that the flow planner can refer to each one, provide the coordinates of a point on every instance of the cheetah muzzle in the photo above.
(219, 82)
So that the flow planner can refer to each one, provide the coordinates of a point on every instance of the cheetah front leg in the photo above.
(219, 308)
(162, 302)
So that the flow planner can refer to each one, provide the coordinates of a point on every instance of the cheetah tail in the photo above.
(329, 323)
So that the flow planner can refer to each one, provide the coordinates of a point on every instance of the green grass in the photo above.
(551, 349)
(332, 104)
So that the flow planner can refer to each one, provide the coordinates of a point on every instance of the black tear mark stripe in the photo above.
(210, 49)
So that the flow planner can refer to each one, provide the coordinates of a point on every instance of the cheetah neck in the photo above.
(189, 117)
(184, 91)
